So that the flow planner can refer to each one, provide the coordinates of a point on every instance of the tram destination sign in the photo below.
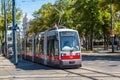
(67, 33)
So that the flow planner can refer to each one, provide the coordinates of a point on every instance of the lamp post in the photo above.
(5, 25)
(14, 32)
(112, 29)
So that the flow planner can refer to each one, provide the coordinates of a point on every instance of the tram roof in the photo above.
(65, 30)
(60, 28)
(56, 29)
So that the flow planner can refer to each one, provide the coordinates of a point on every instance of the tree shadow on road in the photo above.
(28, 65)
(100, 57)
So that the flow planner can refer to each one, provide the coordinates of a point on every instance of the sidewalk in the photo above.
(23, 70)
(5, 63)
(103, 53)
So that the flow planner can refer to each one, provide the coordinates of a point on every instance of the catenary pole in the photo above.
(14, 32)
(112, 29)
(5, 25)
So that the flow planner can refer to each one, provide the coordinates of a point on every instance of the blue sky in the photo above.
(29, 6)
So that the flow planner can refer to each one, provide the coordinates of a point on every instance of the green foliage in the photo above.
(1, 21)
(87, 16)
(43, 19)
(9, 14)
(117, 28)
(88, 12)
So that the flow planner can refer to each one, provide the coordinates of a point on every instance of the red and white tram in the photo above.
(59, 47)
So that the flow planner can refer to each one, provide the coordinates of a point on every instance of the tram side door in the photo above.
(56, 53)
(45, 48)
(52, 52)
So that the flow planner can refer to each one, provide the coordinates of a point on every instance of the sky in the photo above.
(29, 6)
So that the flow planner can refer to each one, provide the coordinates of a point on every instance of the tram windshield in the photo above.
(69, 41)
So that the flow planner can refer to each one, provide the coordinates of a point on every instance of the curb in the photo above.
(101, 54)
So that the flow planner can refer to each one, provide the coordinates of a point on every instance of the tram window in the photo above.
(69, 41)
(56, 48)
(41, 45)
(29, 47)
(50, 46)
(9, 39)
(36, 45)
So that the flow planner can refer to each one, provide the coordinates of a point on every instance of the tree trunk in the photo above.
(91, 36)
(86, 43)
(91, 41)
(106, 43)
(118, 43)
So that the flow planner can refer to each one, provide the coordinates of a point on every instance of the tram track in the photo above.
(93, 74)
(64, 74)
(100, 72)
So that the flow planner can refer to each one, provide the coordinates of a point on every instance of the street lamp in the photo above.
(5, 25)
(14, 32)
(112, 29)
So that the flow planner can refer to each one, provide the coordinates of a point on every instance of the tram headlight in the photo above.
(63, 54)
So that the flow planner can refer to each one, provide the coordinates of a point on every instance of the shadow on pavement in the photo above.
(27, 65)
(100, 57)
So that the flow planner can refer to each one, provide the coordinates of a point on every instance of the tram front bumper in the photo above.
(69, 63)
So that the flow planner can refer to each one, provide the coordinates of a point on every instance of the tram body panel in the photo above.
(70, 58)
(36, 52)
(29, 48)
(52, 48)
(39, 48)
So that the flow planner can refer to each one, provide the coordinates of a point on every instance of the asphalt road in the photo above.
(95, 67)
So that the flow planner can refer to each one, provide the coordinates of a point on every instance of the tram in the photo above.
(58, 47)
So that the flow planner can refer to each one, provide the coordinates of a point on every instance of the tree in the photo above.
(49, 14)
(105, 6)
(93, 17)
(90, 17)
(88, 12)
(9, 14)
(43, 19)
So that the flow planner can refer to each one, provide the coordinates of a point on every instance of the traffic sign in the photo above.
(112, 33)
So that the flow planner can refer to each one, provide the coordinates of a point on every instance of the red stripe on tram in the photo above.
(70, 57)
